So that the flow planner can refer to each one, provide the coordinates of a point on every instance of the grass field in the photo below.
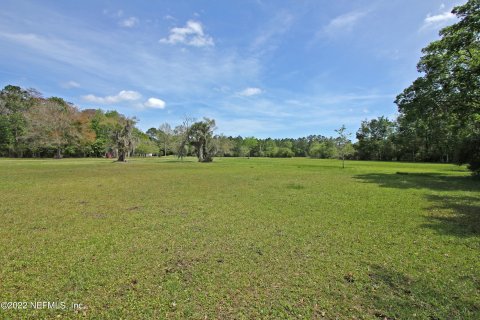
(239, 239)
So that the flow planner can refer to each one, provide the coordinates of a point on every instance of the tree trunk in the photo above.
(200, 153)
(58, 154)
(122, 156)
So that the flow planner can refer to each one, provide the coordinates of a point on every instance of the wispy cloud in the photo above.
(129, 22)
(344, 22)
(191, 34)
(56, 50)
(70, 84)
(272, 31)
(435, 21)
(248, 92)
(155, 103)
(124, 95)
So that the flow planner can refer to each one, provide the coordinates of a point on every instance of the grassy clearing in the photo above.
(240, 238)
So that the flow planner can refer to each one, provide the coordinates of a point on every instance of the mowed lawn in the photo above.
(239, 239)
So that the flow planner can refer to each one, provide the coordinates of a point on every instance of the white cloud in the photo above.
(129, 22)
(154, 103)
(344, 22)
(438, 19)
(70, 85)
(442, 18)
(192, 34)
(248, 92)
(123, 95)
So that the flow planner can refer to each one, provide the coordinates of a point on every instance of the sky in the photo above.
(259, 68)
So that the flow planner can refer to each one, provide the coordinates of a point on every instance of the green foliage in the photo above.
(376, 139)
(442, 106)
(165, 138)
(344, 145)
(224, 146)
(250, 143)
(200, 136)
(146, 146)
(283, 152)
(14, 102)
(323, 149)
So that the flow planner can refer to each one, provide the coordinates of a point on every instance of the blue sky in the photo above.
(263, 68)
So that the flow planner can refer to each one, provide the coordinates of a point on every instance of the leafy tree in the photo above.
(200, 136)
(87, 136)
(446, 98)
(270, 147)
(300, 147)
(283, 152)
(145, 145)
(180, 140)
(250, 143)
(14, 103)
(375, 139)
(165, 137)
(344, 145)
(224, 145)
(124, 138)
(50, 124)
(323, 149)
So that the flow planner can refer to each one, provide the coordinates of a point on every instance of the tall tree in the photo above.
(51, 124)
(375, 139)
(14, 103)
(224, 145)
(181, 139)
(124, 139)
(446, 98)
(165, 137)
(250, 143)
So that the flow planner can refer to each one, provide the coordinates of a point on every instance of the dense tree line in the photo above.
(33, 126)
(439, 120)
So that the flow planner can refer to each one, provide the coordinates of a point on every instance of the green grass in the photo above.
(240, 239)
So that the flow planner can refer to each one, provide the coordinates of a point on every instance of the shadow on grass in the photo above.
(453, 215)
(458, 216)
(431, 181)
(395, 295)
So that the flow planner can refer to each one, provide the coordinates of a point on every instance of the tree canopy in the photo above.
(442, 106)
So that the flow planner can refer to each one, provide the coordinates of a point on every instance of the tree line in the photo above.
(34, 126)
(438, 121)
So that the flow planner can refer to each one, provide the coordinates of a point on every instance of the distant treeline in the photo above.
(33, 126)
(439, 119)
